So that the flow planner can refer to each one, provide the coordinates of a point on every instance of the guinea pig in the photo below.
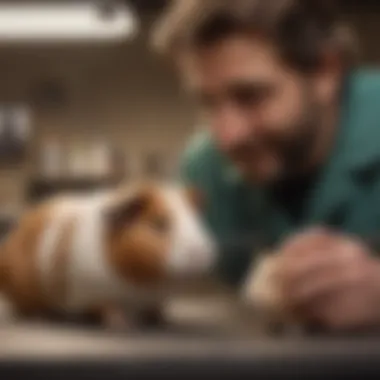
(261, 293)
(102, 254)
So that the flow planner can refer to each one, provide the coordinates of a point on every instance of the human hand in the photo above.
(330, 280)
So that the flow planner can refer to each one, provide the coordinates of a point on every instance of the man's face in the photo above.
(264, 116)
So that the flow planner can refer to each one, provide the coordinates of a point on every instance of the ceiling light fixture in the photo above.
(68, 22)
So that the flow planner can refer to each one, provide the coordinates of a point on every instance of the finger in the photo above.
(333, 281)
(346, 309)
(316, 277)
(333, 256)
(298, 270)
(312, 234)
(300, 245)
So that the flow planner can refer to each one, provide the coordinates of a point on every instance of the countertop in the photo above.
(201, 339)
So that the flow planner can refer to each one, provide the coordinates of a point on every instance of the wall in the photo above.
(123, 93)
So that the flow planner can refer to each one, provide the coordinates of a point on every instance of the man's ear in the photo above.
(127, 210)
(327, 80)
(195, 197)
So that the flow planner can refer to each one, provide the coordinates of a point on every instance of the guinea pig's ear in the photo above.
(195, 197)
(127, 210)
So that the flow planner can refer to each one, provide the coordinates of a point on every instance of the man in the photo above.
(291, 155)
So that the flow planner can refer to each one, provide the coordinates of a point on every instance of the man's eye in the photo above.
(249, 95)
(245, 97)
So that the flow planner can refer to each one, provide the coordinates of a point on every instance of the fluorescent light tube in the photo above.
(72, 22)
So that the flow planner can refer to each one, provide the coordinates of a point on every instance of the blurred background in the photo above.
(84, 103)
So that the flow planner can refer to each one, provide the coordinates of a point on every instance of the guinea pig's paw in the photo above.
(116, 319)
(152, 318)
(109, 317)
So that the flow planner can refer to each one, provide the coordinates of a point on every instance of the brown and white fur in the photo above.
(95, 254)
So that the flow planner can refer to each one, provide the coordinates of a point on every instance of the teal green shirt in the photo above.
(345, 194)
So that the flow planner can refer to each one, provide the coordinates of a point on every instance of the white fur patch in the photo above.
(61, 213)
(192, 248)
(90, 278)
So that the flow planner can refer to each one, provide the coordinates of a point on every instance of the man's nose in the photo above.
(232, 128)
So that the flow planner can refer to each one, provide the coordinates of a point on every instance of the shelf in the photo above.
(39, 188)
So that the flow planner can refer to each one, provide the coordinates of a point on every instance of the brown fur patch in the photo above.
(138, 249)
(21, 281)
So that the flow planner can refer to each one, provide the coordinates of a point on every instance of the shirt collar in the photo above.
(360, 120)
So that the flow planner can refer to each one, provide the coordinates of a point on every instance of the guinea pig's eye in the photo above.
(160, 224)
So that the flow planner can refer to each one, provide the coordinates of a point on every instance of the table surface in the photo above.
(185, 346)
(44, 352)
(198, 329)
(35, 342)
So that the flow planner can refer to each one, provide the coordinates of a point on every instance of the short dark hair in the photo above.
(300, 29)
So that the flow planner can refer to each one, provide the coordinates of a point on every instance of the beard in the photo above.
(290, 153)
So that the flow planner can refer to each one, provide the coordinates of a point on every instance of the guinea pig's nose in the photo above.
(202, 256)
